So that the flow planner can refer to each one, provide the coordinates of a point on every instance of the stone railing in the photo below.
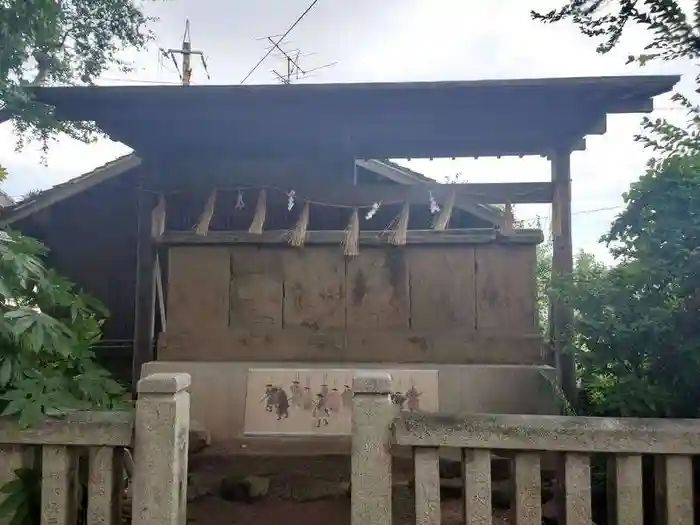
(98, 443)
(377, 427)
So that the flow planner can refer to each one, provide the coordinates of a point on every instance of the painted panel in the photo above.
(256, 288)
(314, 288)
(442, 288)
(505, 289)
(377, 285)
(319, 401)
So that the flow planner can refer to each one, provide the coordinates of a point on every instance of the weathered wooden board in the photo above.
(457, 304)
(198, 288)
(366, 238)
(442, 288)
(505, 288)
(372, 346)
(314, 288)
(377, 284)
(256, 288)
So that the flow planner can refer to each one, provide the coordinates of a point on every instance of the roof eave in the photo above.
(74, 186)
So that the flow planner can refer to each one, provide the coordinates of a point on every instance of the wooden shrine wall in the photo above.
(415, 304)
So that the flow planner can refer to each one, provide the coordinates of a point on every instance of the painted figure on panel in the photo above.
(398, 399)
(413, 398)
(320, 401)
(320, 412)
(281, 403)
(296, 398)
(268, 397)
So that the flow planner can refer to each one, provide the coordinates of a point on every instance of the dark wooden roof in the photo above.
(50, 196)
(376, 120)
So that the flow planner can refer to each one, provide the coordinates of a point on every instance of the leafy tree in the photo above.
(47, 367)
(47, 330)
(674, 27)
(637, 343)
(543, 282)
(61, 42)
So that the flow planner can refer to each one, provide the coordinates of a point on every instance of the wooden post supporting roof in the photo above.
(144, 308)
(561, 315)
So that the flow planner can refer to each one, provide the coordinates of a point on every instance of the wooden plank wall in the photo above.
(439, 304)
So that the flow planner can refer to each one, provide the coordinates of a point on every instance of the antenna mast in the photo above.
(186, 52)
(293, 71)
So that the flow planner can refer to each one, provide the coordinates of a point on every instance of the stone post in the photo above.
(161, 443)
(372, 415)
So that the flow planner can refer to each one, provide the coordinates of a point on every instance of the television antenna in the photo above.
(293, 70)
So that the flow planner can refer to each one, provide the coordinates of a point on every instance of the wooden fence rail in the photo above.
(377, 426)
(59, 447)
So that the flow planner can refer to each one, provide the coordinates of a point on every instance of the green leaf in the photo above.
(15, 406)
(14, 485)
(22, 516)
(5, 372)
(30, 415)
(13, 502)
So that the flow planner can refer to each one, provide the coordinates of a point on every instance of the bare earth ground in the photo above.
(220, 512)
(291, 476)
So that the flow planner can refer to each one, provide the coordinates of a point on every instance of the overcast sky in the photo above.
(392, 40)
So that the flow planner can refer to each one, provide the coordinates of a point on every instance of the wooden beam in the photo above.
(144, 309)
(445, 347)
(367, 238)
(160, 293)
(401, 176)
(366, 194)
(633, 105)
(561, 315)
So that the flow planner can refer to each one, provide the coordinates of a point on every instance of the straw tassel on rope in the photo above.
(297, 236)
(508, 219)
(443, 218)
(397, 237)
(158, 218)
(202, 227)
(256, 226)
(352, 235)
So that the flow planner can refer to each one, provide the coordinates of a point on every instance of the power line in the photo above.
(269, 51)
(580, 212)
(141, 81)
(596, 210)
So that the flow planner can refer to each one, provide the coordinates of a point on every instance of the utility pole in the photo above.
(186, 52)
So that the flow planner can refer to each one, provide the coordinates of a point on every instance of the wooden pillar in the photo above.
(561, 316)
(144, 308)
